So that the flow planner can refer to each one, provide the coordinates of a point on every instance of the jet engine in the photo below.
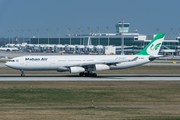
(62, 69)
(100, 67)
(76, 69)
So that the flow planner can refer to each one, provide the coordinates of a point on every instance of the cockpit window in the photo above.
(11, 61)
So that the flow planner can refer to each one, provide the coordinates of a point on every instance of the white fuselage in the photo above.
(60, 62)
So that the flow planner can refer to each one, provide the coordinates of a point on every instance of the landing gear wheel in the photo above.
(22, 73)
(87, 74)
(94, 75)
(90, 74)
(81, 74)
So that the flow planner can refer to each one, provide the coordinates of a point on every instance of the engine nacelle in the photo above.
(99, 67)
(62, 69)
(76, 69)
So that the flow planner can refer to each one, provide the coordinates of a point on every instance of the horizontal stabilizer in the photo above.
(151, 58)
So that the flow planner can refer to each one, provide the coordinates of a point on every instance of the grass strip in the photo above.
(101, 100)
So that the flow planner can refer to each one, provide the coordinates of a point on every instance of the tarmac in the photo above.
(98, 78)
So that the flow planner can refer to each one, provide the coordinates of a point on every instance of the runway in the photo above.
(98, 78)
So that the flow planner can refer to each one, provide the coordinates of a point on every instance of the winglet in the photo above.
(154, 46)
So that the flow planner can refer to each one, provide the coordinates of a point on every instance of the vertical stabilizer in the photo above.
(154, 46)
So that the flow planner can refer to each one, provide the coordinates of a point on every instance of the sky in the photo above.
(143, 15)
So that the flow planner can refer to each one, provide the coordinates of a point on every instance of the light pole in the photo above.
(171, 30)
(179, 31)
(38, 35)
(157, 29)
(80, 29)
(23, 35)
(48, 34)
(70, 34)
(9, 35)
(98, 29)
(108, 34)
(59, 34)
(76, 32)
(29, 36)
(12, 36)
(89, 30)
(18, 35)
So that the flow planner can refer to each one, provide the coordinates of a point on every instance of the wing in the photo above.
(112, 62)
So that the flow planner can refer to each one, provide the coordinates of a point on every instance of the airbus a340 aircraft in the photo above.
(85, 64)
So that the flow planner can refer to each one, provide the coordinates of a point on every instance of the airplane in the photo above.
(8, 49)
(85, 64)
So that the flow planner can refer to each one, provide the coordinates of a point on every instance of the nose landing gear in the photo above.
(22, 73)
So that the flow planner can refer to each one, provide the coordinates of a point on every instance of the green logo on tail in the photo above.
(153, 47)
(156, 47)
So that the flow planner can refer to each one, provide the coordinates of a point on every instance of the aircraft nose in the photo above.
(7, 64)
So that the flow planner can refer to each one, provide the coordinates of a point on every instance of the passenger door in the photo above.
(53, 63)
(22, 61)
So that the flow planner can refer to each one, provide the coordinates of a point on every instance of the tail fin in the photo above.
(154, 46)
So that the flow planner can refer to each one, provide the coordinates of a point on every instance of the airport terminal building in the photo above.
(133, 42)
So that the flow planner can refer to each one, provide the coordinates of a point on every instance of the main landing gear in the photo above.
(88, 74)
(22, 73)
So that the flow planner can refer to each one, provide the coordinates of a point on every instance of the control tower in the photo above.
(122, 27)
